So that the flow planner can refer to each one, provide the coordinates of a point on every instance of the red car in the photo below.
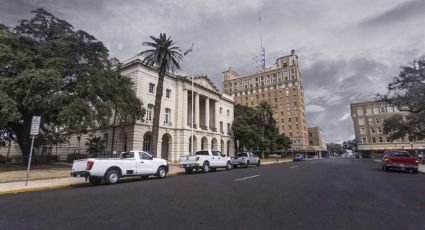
(401, 160)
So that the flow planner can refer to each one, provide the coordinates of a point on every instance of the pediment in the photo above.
(205, 82)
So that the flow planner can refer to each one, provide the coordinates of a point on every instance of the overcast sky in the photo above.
(349, 50)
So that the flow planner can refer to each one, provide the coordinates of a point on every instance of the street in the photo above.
(315, 194)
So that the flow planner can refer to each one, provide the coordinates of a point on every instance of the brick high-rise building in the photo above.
(281, 85)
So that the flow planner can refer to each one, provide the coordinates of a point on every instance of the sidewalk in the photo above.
(37, 185)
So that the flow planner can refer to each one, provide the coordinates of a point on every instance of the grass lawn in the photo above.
(17, 172)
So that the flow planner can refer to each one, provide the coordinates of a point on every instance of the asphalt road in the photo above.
(319, 194)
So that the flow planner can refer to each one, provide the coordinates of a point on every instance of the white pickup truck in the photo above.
(130, 164)
(206, 160)
(245, 159)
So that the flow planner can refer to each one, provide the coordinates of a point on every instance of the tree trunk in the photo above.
(157, 111)
(22, 133)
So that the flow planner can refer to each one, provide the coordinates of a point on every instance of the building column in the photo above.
(197, 110)
(216, 111)
(207, 113)
(185, 110)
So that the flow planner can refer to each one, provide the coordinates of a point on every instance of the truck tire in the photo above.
(206, 167)
(258, 163)
(188, 170)
(95, 180)
(229, 165)
(247, 164)
(161, 173)
(112, 176)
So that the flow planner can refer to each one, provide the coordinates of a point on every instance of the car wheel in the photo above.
(188, 170)
(258, 163)
(415, 171)
(247, 164)
(229, 165)
(162, 172)
(95, 180)
(205, 167)
(112, 177)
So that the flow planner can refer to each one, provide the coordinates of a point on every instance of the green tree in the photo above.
(65, 76)
(407, 93)
(335, 148)
(282, 142)
(95, 146)
(163, 56)
(245, 127)
(265, 116)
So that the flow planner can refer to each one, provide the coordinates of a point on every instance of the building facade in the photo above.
(316, 139)
(212, 118)
(281, 85)
(368, 119)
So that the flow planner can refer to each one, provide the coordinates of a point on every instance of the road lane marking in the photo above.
(294, 166)
(245, 178)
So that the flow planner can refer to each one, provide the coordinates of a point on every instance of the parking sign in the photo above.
(35, 125)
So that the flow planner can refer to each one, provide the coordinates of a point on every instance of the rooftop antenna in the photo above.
(260, 60)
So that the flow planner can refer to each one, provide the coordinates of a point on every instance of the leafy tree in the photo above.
(254, 133)
(335, 148)
(407, 92)
(282, 142)
(163, 56)
(95, 146)
(265, 117)
(65, 76)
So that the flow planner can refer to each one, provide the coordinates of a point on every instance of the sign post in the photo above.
(35, 128)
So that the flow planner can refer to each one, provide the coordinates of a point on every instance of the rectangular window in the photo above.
(168, 93)
(371, 121)
(151, 87)
(363, 130)
(381, 139)
(361, 121)
(372, 130)
(369, 110)
(375, 110)
(360, 111)
(167, 115)
(364, 140)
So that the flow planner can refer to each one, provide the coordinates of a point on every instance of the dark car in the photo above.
(2, 159)
(400, 160)
(298, 157)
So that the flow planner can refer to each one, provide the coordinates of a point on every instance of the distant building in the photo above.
(281, 86)
(316, 140)
(368, 120)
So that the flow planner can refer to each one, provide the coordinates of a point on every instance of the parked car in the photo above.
(130, 164)
(400, 160)
(2, 159)
(245, 159)
(298, 157)
(205, 160)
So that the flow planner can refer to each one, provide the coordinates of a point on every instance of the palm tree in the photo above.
(163, 56)
(264, 114)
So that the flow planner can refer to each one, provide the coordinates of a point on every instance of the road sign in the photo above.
(35, 125)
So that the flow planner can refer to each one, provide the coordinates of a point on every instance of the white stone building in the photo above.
(213, 117)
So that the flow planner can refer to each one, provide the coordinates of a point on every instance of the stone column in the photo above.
(207, 113)
(185, 102)
(197, 110)
(216, 111)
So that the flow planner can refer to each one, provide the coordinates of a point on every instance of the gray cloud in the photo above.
(403, 11)
(348, 49)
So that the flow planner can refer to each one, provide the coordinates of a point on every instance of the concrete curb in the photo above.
(61, 186)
